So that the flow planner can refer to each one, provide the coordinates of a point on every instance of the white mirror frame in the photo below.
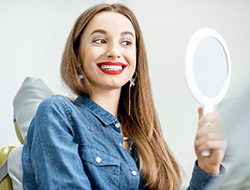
(207, 102)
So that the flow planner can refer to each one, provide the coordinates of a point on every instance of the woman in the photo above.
(110, 136)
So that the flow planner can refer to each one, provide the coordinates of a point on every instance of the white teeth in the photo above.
(112, 67)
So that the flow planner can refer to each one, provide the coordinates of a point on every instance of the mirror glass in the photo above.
(210, 66)
(207, 67)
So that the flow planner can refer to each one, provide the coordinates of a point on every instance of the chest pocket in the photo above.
(101, 167)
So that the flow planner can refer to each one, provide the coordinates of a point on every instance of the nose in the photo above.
(113, 51)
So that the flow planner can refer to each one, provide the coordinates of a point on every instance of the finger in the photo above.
(208, 128)
(204, 129)
(207, 140)
(200, 112)
(216, 142)
(209, 132)
(212, 117)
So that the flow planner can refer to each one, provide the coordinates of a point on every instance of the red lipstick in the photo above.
(111, 68)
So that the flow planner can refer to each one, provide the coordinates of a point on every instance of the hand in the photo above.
(209, 137)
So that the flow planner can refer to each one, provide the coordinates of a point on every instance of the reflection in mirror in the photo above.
(210, 66)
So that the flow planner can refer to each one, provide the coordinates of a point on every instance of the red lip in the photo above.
(109, 67)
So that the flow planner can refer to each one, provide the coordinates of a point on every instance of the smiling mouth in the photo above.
(112, 68)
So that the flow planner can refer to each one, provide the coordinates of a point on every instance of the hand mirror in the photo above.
(207, 69)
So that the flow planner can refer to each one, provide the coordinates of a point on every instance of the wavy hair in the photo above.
(157, 164)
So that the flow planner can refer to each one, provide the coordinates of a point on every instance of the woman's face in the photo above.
(108, 51)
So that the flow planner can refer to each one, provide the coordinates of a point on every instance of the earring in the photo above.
(81, 77)
(131, 83)
(132, 80)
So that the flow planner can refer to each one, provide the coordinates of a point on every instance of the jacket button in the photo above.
(98, 159)
(134, 173)
(117, 125)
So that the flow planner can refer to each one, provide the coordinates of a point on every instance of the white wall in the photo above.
(33, 34)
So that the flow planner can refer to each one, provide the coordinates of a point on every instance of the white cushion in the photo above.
(31, 93)
(15, 167)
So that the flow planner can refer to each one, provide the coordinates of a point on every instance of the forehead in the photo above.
(111, 22)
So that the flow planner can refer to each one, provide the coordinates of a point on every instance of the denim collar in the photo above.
(88, 104)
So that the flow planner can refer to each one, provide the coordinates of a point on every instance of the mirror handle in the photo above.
(207, 109)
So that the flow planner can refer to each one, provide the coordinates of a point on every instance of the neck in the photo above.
(108, 100)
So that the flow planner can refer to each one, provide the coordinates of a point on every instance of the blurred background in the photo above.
(33, 35)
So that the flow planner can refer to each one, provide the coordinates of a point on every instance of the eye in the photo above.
(99, 41)
(126, 43)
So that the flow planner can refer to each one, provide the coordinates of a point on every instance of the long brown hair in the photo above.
(157, 164)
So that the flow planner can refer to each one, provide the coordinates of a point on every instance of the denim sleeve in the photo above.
(52, 149)
(201, 180)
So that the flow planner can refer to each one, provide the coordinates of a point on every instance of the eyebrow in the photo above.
(105, 32)
(127, 32)
(98, 31)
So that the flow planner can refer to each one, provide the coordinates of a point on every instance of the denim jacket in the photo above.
(78, 145)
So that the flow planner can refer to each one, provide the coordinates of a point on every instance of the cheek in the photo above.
(131, 56)
(133, 61)
(88, 56)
